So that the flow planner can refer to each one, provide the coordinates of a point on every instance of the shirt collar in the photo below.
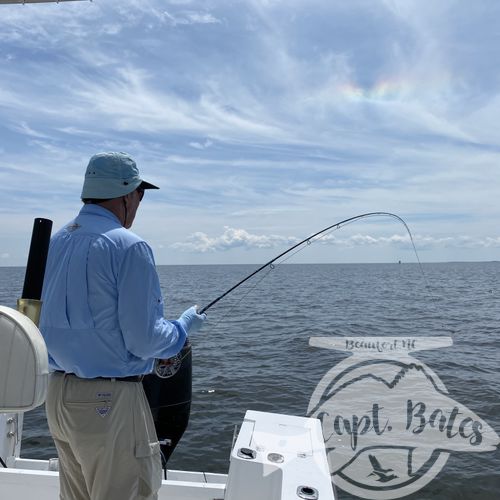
(92, 209)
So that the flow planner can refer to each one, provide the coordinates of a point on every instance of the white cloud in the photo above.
(201, 145)
(240, 238)
(188, 17)
(232, 238)
(25, 129)
(129, 100)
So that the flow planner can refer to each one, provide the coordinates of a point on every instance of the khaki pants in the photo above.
(105, 438)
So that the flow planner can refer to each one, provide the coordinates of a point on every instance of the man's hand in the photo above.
(191, 321)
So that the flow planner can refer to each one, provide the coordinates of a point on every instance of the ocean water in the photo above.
(253, 352)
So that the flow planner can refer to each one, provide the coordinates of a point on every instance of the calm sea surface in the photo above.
(253, 351)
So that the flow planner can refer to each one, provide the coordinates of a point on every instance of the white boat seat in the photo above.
(24, 366)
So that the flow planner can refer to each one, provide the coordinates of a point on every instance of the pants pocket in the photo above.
(147, 448)
(149, 461)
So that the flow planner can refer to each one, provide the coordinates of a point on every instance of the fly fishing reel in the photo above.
(166, 368)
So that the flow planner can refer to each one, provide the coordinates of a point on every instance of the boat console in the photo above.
(279, 457)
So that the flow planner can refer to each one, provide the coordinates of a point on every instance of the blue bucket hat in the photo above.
(111, 175)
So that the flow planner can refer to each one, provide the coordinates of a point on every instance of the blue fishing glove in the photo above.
(191, 321)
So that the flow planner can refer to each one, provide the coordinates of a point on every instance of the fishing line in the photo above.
(250, 290)
(308, 241)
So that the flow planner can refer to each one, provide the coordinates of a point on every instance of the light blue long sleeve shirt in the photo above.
(102, 312)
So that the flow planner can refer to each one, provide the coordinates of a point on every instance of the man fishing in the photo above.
(102, 321)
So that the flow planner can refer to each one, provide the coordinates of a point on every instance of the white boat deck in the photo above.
(20, 484)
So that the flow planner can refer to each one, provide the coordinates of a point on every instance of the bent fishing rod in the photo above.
(308, 241)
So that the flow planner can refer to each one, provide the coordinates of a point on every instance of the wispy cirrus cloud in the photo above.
(201, 145)
(189, 17)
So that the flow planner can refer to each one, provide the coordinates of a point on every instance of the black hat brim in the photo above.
(147, 185)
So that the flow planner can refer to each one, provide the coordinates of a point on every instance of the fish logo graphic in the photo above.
(388, 422)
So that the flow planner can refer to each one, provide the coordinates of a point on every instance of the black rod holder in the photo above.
(37, 259)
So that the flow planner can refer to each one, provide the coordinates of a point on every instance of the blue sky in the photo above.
(262, 121)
